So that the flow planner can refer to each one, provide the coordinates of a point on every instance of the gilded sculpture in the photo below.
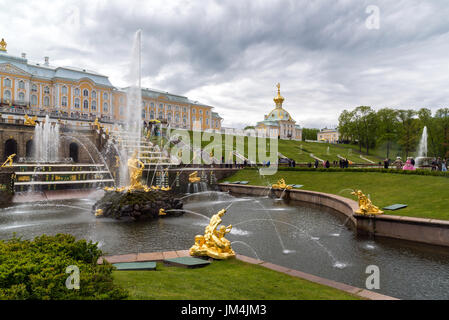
(193, 178)
(213, 243)
(281, 185)
(365, 205)
(8, 162)
(30, 121)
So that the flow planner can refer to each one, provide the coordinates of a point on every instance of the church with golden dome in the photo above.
(278, 123)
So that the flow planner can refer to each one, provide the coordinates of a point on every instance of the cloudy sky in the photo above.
(328, 55)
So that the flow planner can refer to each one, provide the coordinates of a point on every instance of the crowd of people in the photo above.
(437, 164)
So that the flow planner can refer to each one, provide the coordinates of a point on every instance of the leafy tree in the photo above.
(388, 126)
(365, 121)
(409, 130)
(442, 121)
(309, 134)
(346, 125)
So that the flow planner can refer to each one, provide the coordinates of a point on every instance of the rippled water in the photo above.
(299, 236)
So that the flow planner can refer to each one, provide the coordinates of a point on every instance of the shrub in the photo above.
(35, 269)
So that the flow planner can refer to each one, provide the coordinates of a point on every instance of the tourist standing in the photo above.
(327, 164)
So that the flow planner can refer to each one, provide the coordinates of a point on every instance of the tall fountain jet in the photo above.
(46, 141)
(133, 115)
(422, 148)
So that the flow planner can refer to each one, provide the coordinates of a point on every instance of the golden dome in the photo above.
(279, 99)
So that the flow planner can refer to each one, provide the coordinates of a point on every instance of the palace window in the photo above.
(94, 104)
(85, 93)
(160, 114)
(144, 114)
(8, 95)
(21, 96)
(207, 121)
(86, 105)
(46, 101)
(121, 111)
(21, 84)
(64, 90)
(77, 92)
(105, 96)
(201, 112)
(34, 88)
(47, 90)
(184, 119)
(207, 113)
(193, 119)
(105, 107)
(177, 108)
(161, 106)
(94, 94)
(169, 117)
(33, 99)
(169, 107)
(152, 104)
(184, 109)
(77, 103)
(177, 118)
(7, 83)
(193, 111)
(151, 114)
(64, 101)
(122, 100)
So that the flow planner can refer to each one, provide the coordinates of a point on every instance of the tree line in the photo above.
(397, 128)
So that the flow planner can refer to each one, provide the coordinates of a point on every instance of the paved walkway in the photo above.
(159, 256)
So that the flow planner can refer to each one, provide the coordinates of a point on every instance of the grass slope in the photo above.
(426, 196)
(222, 280)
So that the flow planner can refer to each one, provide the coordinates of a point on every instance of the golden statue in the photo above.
(98, 212)
(162, 212)
(3, 45)
(213, 244)
(117, 161)
(30, 121)
(8, 162)
(97, 124)
(281, 185)
(193, 178)
(365, 205)
(165, 188)
(135, 167)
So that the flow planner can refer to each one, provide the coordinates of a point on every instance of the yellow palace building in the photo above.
(78, 96)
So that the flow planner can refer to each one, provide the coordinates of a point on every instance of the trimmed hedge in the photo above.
(35, 269)
(378, 170)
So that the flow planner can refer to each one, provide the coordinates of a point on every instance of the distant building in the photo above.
(278, 123)
(78, 96)
(328, 135)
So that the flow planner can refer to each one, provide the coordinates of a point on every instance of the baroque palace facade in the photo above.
(79, 96)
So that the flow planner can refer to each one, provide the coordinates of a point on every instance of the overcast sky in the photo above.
(328, 55)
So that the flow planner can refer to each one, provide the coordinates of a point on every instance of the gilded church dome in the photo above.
(278, 99)
(278, 113)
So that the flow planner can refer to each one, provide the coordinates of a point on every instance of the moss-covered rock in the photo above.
(138, 204)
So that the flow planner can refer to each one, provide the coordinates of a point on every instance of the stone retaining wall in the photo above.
(429, 231)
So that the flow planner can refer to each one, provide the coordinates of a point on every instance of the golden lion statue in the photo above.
(30, 121)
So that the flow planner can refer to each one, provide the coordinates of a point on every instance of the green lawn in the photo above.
(426, 196)
(222, 280)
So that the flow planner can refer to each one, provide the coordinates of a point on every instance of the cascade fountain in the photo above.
(46, 141)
